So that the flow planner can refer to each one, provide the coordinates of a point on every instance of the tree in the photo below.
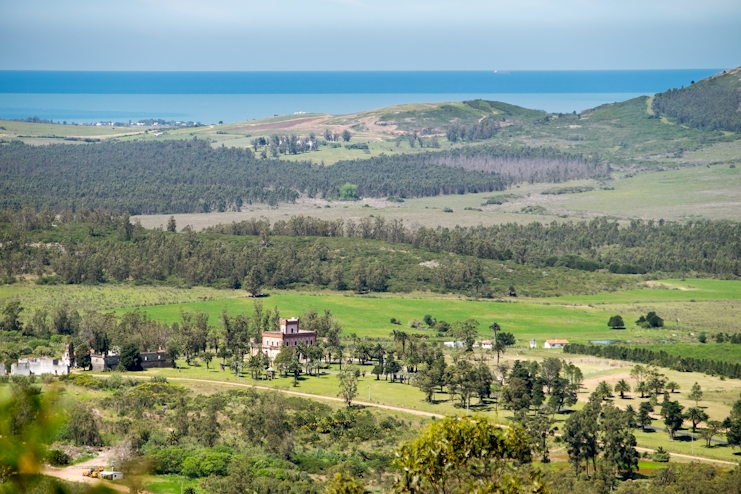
(695, 415)
(466, 331)
(695, 393)
(400, 337)
(581, 436)
(540, 427)
(563, 393)
(671, 411)
(83, 427)
(454, 453)
(622, 387)
(130, 358)
(549, 371)
(516, 394)
(349, 192)
(207, 358)
(171, 225)
(650, 320)
(603, 391)
(733, 434)
(11, 316)
(616, 322)
(644, 414)
(346, 135)
(642, 388)
(495, 327)
(618, 442)
(501, 342)
(348, 385)
(712, 428)
(253, 281)
(344, 483)
(672, 386)
(207, 429)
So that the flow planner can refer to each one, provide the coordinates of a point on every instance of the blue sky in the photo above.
(368, 34)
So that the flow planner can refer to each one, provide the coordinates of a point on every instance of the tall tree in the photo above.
(348, 385)
(581, 435)
(671, 411)
(618, 442)
(644, 414)
(11, 316)
(695, 393)
(550, 371)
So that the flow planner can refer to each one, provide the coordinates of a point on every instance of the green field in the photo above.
(370, 316)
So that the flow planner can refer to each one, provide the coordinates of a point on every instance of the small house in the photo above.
(555, 343)
(533, 344)
(486, 344)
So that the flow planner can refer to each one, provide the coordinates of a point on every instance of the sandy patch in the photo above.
(286, 124)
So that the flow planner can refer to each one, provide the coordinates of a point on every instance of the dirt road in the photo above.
(73, 473)
(388, 407)
(297, 393)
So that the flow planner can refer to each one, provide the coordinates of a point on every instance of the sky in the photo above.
(232, 35)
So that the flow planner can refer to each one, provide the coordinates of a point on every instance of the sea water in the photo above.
(210, 97)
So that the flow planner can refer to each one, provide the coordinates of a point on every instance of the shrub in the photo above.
(57, 458)
(168, 460)
(660, 455)
(215, 464)
(191, 467)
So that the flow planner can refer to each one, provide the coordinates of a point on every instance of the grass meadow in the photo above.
(679, 194)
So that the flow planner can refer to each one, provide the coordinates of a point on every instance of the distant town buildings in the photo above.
(289, 335)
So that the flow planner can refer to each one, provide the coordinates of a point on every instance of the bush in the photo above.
(58, 458)
(447, 210)
(168, 460)
(215, 464)
(191, 467)
(660, 455)
(85, 380)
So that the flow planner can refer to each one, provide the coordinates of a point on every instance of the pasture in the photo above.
(683, 194)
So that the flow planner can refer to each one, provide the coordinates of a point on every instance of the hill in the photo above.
(713, 103)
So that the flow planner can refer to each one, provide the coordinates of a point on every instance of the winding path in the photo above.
(387, 407)
(298, 393)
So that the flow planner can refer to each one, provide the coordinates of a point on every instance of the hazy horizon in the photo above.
(353, 35)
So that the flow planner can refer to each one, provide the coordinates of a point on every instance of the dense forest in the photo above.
(97, 247)
(191, 176)
(711, 247)
(712, 104)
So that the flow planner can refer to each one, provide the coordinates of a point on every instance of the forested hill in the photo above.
(713, 103)
(192, 176)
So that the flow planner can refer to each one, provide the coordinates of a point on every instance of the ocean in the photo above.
(210, 97)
